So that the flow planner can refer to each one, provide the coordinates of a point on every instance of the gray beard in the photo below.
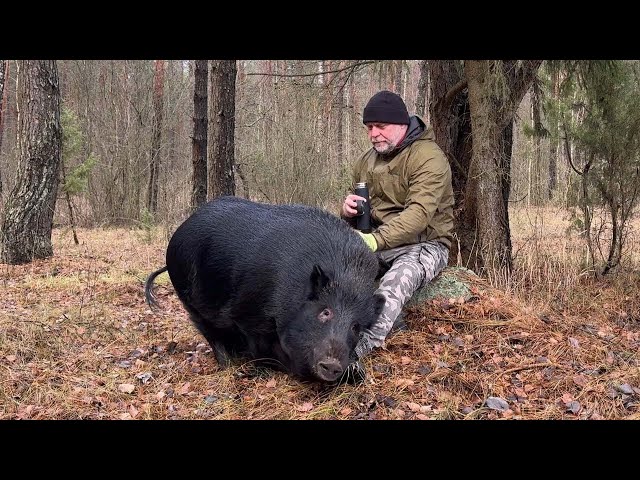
(386, 149)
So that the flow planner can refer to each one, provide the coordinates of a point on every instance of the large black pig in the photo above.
(289, 284)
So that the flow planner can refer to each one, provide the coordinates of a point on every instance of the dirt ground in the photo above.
(77, 341)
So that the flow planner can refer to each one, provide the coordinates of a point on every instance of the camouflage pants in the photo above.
(412, 267)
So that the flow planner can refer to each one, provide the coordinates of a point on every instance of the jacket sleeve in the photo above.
(427, 184)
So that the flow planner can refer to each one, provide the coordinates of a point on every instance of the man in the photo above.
(409, 180)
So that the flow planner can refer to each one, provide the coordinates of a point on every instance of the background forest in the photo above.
(545, 157)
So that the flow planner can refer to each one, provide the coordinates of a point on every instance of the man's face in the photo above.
(385, 136)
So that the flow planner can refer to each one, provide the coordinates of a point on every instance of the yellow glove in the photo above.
(369, 239)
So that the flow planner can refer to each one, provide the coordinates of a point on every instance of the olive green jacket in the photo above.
(410, 189)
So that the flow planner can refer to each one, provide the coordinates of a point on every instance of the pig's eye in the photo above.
(325, 315)
(355, 328)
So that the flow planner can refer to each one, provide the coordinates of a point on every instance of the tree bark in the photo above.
(487, 168)
(553, 143)
(480, 174)
(4, 79)
(495, 88)
(222, 111)
(28, 215)
(449, 109)
(67, 197)
(423, 89)
(199, 140)
(538, 192)
(158, 107)
(398, 66)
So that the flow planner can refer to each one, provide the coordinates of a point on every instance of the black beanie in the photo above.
(386, 107)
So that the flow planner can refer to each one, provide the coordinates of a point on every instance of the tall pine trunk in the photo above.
(28, 215)
(158, 107)
(222, 113)
(199, 140)
(4, 79)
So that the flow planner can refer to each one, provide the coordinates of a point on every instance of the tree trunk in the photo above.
(480, 182)
(538, 192)
(449, 109)
(553, 143)
(28, 214)
(158, 106)
(4, 79)
(492, 111)
(397, 77)
(67, 198)
(336, 141)
(199, 140)
(423, 89)
(487, 168)
(222, 111)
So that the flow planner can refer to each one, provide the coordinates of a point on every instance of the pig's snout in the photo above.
(329, 369)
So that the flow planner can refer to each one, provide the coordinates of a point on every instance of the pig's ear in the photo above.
(319, 280)
(378, 303)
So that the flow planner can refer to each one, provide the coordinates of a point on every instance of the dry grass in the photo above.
(77, 341)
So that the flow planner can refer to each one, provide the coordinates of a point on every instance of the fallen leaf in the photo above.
(345, 411)
(405, 360)
(11, 358)
(160, 395)
(520, 393)
(573, 407)
(403, 382)
(25, 412)
(580, 380)
(625, 388)
(386, 401)
(271, 383)
(422, 416)
(399, 412)
(185, 388)
(497, 403)
(567, 397)
(414, 407)
(144, 377)
(574, 342)
(126, 387)
(305, 407)
(133, 411)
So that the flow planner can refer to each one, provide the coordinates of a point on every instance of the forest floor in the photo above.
(78, 341)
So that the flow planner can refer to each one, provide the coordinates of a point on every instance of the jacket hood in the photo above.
(415, 130)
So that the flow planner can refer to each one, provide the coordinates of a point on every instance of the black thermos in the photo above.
(363, 220)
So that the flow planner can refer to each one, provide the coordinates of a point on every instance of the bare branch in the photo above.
(316, 74)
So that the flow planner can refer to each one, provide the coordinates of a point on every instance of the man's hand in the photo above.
(369, 239)
(349, 205)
